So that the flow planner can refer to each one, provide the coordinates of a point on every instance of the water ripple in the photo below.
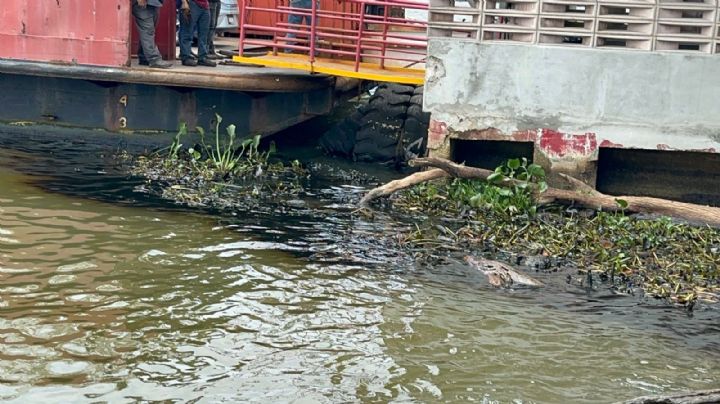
(106, 302)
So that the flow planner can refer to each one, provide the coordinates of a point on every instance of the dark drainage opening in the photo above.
(488, 153)
(678, 175)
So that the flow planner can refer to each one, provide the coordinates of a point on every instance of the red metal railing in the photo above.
(375, 31)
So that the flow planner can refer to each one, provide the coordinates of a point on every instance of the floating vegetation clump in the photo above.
(217, 172)
(655, 256)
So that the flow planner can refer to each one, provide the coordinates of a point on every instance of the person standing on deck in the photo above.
(195, 16)
(295, 20)
(146, 14)
(214, 16)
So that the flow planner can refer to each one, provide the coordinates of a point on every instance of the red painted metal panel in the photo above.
(268, 18)
(164, 33)
(93, 32)
(264, 18)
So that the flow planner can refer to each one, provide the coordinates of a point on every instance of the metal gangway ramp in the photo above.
(377, 40)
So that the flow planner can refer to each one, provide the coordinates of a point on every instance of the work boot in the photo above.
(206, 62)
(189, 62)
(215, 56)
(160, 64)
(143, 63)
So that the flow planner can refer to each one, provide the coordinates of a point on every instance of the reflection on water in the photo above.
(114, 302)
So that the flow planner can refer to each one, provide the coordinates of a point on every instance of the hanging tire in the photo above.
(391, 127)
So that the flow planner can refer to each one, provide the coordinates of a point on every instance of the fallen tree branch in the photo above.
(579, 193)
(695, 397)
(396, 185)
(454, 169)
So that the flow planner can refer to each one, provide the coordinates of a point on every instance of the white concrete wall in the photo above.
(631, 98)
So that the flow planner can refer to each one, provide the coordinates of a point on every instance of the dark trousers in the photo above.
(146, 19)
(214, 15)
(199, 20)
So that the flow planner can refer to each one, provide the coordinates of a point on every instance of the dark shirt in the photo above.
(155, 3)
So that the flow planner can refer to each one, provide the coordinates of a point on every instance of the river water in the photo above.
(107, 295)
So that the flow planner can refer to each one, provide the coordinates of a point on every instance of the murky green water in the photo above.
(107, 295)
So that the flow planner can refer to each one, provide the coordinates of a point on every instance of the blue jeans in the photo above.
(297, 20)
(200, 21)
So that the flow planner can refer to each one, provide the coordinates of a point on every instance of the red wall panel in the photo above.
(94, 32)
(269, 18)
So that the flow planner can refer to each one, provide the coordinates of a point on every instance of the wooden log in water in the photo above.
(694, 397)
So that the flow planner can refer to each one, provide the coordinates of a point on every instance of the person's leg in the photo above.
(145, 20)
(295, 21)
(186, 35)
(203, 27)
(141, 55)
(214, 16)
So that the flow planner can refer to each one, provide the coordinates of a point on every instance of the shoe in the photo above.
(189, 62)
(143, 63)
(215, 56)
(160, 64)
(206, 62)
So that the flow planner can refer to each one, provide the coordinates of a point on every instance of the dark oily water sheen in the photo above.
(109, 296)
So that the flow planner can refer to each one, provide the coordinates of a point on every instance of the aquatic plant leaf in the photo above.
(495, 177)
(231, 131)
(246, 142)
(476, 200)
(536, 171)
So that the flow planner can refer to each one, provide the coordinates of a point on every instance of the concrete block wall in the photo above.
(573, 77)
(691, 26)
(570, 101)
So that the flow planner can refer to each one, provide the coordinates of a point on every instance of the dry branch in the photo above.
(696, 397)
(396, 185)
(579, 193)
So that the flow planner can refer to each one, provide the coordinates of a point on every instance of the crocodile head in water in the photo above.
(501, 275)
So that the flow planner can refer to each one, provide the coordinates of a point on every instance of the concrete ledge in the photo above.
(623, 98)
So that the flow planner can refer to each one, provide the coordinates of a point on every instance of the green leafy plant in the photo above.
(176, 146)
(512, 188)
(226, 155)
(223, 155)
(463, 190)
